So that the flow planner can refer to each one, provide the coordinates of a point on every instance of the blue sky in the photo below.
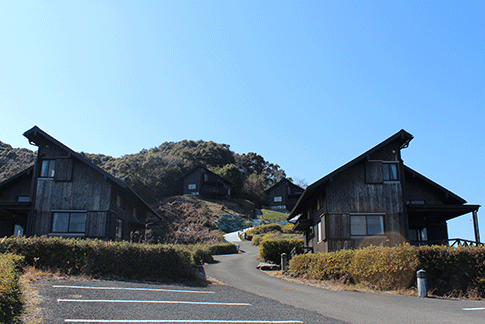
(306, 84)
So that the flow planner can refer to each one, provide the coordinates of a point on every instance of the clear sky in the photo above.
(309, 85)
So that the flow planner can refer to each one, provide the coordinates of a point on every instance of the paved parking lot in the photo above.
(93, 301)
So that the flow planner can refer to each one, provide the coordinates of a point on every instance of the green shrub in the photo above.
(11, 302)
(200, 253)
(104, 259)
(385, 268)
(223, 248)
(454, 271)
(271, 249)
(263, 229)
(450, 271)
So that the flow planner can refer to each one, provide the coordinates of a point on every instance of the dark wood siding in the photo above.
(88, 191)
(63, 170)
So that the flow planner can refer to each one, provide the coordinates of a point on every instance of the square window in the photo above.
(375, 225)
(358, 225)
(192, 186)
(278, 199)
(77, 223)
(60, 223)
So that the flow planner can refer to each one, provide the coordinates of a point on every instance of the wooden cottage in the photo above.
(283, 195)
(205, 183)
(376, 199)
(64, 194)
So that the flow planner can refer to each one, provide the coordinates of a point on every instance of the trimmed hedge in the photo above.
(11, 301)
(104, 259)
(451, 271)
(271, 249)
(202, 253)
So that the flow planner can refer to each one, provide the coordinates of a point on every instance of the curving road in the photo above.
(239, 271)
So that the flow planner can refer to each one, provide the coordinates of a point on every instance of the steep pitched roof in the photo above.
(402, 137)
(284, 180)
(208, 171)
(35, 134)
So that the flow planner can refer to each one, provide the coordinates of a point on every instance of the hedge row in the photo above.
(202, 253)
(451, 271)
(10, 293)
(104, 259)
(271, 249)
(268, 228)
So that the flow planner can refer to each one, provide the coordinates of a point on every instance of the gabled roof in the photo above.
(208, 171)
(35, 134)
(402, 137)
(284, 180)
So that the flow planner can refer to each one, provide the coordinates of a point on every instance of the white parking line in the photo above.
(148, 302)
(473, 309)
(140, 289)
(177, 321)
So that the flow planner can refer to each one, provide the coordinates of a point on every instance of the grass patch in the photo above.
(271, 216)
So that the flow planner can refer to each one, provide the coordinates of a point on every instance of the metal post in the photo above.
(284, 261)
(421, 277)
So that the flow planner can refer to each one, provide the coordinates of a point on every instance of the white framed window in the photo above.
(192, 186)
(65, 222)
(48, 169)
(366, 225)
(278, 199)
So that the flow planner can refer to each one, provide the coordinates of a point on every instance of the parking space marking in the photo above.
(179, 321)
(474, 309)
(139, 289)
(149, 302)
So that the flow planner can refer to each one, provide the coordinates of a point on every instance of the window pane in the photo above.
(357, 225)
(77, 223)
(278, 199)
(60, 222)
(45, 169)
(385, 171)
(424, 234)
(392, 171)
(375, 225)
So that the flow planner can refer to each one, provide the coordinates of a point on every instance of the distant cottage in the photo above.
(283, 195)
(205, 183)
(66, 195)
(376, 199)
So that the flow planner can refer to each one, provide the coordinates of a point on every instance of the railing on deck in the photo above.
(451, 242)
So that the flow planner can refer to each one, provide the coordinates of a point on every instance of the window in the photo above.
(389, 171)
(48, 169)
(119, 229)
(18, 231)
(192, 186)
(119, 202)
(320, 230)
(364, 225)
(23, 198)
(69, 223)
(278, 199)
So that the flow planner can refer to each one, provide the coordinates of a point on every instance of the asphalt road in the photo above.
(97, 301)
(239, 271)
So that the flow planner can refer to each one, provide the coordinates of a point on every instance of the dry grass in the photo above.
(30, 289)
(335, 285)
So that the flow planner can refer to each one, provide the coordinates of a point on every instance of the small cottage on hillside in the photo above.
(205, 183)
(376, 199)
(283, 195)
(66, 195)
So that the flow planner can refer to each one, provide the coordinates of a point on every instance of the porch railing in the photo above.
(450, 242)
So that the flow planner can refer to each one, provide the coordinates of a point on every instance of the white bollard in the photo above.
(421, 278)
